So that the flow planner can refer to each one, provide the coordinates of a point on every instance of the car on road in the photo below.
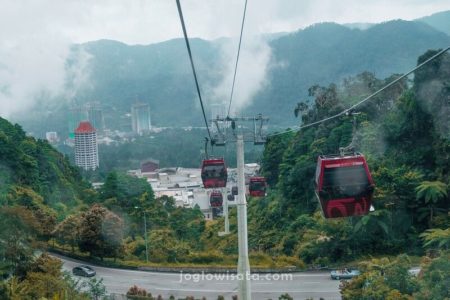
(83, 270)
(344, 274)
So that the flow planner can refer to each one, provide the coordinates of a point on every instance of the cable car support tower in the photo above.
(241, 134)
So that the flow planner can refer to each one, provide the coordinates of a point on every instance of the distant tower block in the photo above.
(86, 148)
(140, 118)
(95, 115)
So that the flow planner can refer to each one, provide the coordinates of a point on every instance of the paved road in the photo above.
(298, 285)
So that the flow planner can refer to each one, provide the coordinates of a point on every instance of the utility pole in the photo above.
(225, 211)
(243, 262)
(145, 233)
(146, 238)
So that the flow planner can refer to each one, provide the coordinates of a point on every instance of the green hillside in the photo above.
(38, 188)
(406, 142)
(33, 168)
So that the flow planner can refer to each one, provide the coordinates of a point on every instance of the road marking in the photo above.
(229, 291)
(153, 273)
(311, 275)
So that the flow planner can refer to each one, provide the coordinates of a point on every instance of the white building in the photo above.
(186, 187)
(140, 118)
(51, 137)
(86, 147)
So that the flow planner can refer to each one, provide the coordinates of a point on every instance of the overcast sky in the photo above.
(148, 21)
(35, 35)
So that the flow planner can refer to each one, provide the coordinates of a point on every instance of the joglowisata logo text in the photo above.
(198, 277)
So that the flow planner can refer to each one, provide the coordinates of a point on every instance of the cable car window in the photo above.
(345, 181)
(212, 171)
(257, 186)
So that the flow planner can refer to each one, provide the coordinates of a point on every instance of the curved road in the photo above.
(299, 285)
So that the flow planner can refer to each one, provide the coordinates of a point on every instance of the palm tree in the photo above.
(436, 236)
(431, 192)
(373, 220)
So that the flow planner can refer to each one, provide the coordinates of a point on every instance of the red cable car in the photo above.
(216, 199)
(257, 186)
(344, 185)
(214, 173)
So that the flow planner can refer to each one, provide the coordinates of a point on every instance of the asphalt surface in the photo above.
(304, 285)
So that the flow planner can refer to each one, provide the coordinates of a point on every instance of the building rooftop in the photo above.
(85, 127)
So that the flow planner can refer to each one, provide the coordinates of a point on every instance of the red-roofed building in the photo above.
(150, 165)
(85, 127)
(86, 148)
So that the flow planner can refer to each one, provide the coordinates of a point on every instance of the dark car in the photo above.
(85, 271)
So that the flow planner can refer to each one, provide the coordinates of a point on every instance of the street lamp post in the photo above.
(145, 234)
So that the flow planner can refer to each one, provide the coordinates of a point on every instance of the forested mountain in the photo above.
(328, 52)
(439, 21)
(159, 74)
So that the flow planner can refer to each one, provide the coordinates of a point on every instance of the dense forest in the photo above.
(404, 133)
(39, 188)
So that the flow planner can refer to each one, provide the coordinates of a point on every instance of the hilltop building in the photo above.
(150, 165)
(140, 118)
(86, 147)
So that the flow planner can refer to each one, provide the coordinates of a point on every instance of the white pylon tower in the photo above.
(256, 136)
(243, 261)
(225, 213)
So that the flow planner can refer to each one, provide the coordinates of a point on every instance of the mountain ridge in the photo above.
(160, 75)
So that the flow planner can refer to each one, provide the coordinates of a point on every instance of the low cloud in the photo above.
(251, 73)
(29, 67)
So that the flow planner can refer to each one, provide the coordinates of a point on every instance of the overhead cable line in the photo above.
(298, 128)
(237, 58)
(180, 12)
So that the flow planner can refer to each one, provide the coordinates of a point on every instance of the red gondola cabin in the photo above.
(344, 185)
(214, 173)
(257, 186)
(216, 199)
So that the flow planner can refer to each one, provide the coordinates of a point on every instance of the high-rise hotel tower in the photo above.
(140, 118)
(86, 148)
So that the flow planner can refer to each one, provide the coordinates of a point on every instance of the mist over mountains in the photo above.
(271, 82)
